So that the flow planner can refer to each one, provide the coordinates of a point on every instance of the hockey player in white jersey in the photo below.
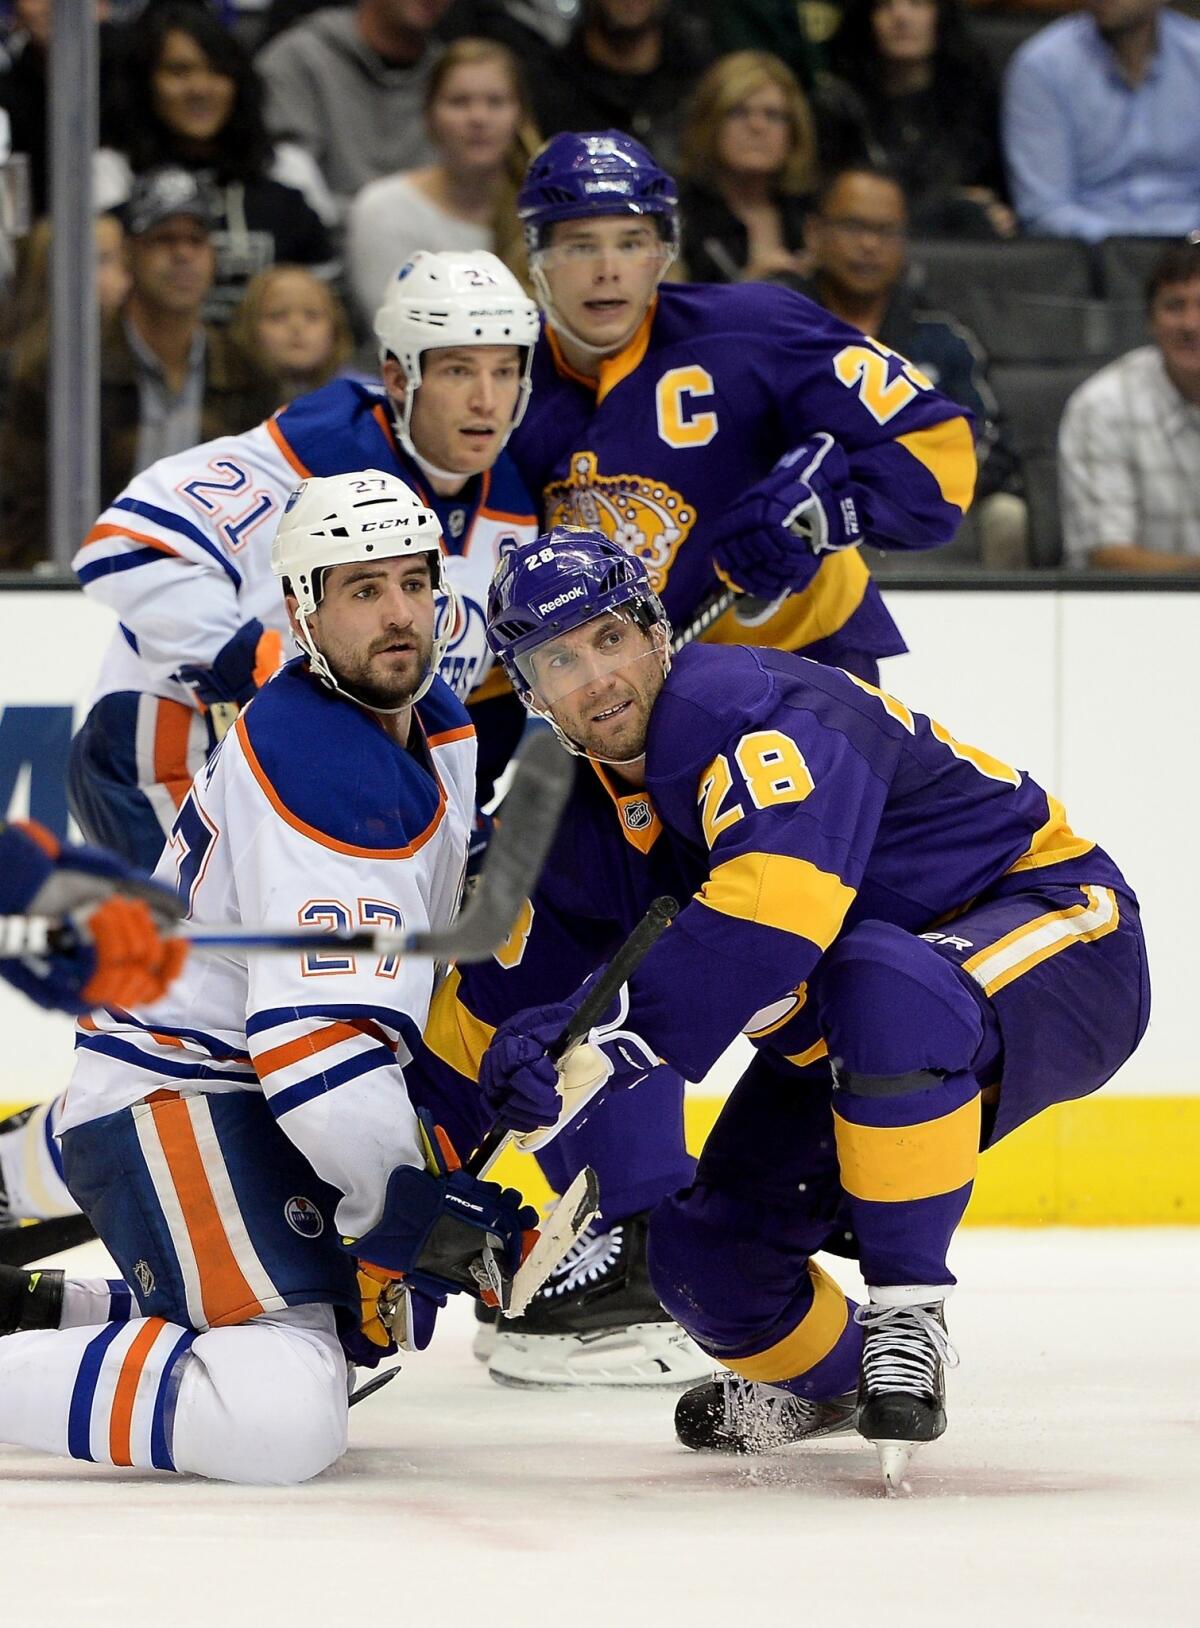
(182, 555)
(240, 1145)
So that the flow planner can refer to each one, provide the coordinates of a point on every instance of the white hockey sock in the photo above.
(263, 1403)
(31, 1167)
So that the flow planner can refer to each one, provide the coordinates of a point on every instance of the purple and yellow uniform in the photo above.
(713, 389)
(860, 887)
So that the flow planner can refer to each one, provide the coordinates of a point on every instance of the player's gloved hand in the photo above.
(517, 1077)
(238, 671)
(444, 1231)
(771, 539)
(396, 1316)
(112, 951)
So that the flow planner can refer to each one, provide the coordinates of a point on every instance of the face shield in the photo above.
(581, 663)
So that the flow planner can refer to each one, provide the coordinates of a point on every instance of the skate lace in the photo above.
(589, 1258)
(760, 1414)
(903, 1348)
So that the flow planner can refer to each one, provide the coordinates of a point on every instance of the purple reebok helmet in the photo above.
(559, 581)
(604, 173)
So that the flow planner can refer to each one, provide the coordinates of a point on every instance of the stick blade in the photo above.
(541, 784)
(572, 1215)
(21, 1246)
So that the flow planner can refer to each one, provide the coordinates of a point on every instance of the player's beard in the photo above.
(362, 680)
(627, 742)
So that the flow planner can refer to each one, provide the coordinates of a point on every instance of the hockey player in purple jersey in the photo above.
(923, 952)
(738, 433)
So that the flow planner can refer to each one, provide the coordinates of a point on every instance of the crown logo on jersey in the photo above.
(645, 516)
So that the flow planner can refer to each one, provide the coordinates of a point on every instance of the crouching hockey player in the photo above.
(244, 1146)
(922, 951)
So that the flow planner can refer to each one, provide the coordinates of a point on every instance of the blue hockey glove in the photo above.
(119, 957)
(770, 540)
(444, 1231)
(239, 669)
(477, 846)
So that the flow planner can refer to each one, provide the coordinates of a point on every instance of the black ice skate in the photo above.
(597, 1321)
(728, 1414)
(29, 1300)
(901, 1387)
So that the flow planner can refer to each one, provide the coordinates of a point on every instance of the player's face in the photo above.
(374, 626)
(295, 324)
(189, 96)
(905, 30)
(463, 406)
(172, 264)
(602, 275)
(474, 116)
(755, 137)
(858, 239)
(1175, 324)
(599, 683)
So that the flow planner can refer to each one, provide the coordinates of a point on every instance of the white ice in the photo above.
(1063, 1493)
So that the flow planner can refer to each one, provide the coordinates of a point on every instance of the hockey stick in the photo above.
(751, 611)
(541, 783)
(601, 993)
(21, 1246)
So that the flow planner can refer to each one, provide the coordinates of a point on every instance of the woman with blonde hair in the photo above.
(295, 325)
(748, 164)
(478, 113)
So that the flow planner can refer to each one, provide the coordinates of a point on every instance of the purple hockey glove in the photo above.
(770, 541)
(518, 1081)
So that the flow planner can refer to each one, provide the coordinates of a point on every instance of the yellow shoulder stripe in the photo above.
(1053, 842)
(775, 890)
(453, 1033)
(948, 452)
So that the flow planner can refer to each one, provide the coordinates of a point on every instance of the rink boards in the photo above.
(1091, 691)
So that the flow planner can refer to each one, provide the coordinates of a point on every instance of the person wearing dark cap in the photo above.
(167, 380)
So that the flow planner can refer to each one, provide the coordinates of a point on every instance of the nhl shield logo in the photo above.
(303, 1216)
(144, 1276)
(637, 814)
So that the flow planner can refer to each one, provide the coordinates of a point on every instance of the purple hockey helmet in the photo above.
(578, 176)
(559, 581)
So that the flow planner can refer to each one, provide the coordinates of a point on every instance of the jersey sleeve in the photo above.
(165, 554)
(911, 450)
(787, 809)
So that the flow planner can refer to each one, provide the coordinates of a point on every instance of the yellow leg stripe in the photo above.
(1028, 946)
(947, 450)
(812, 1055)
(453, 1033)
(793, 895)
(809, 1343)
(1052, 843)
(896, 1163)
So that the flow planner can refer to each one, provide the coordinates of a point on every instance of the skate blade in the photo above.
(894, 1458)
(658, 1355)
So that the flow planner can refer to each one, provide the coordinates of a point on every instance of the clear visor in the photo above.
(640, 246)
(588, 655)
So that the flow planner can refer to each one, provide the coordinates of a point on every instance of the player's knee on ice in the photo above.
(264, 1403)
(891, 1005)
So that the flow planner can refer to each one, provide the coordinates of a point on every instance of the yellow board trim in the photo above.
(824, 607)
(809, 1343)
(455, 1034)
(947, 450)
(894, 1164)
(774, 890)
(1105, 1161)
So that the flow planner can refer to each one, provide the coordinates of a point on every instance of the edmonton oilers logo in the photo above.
(303, 1216)
(637, 814)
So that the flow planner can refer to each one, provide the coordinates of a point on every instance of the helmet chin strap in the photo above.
(324, 674)
(556, 320)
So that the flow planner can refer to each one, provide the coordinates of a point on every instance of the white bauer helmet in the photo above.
(345, 519)
(439, 301)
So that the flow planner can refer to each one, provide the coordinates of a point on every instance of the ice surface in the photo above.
(1064, 1492)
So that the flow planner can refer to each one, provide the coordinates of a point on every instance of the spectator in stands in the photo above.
(748, 165)
(295, 325)
(781, 27)
(187, 94)
(480, 122)
(1102, 123)
(858, 241)
(349, 84)
(166, 381)
(25, 322)
(629, 65)
(928, 111)
(1129, 442)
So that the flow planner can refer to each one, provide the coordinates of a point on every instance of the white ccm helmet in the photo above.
(436, 301)
(342, 520)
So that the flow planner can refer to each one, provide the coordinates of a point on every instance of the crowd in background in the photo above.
(1008, 197)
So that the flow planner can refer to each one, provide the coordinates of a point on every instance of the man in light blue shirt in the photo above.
(1102, 123)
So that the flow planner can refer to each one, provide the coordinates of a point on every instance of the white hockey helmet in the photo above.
(436, 301)
(343, 519)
